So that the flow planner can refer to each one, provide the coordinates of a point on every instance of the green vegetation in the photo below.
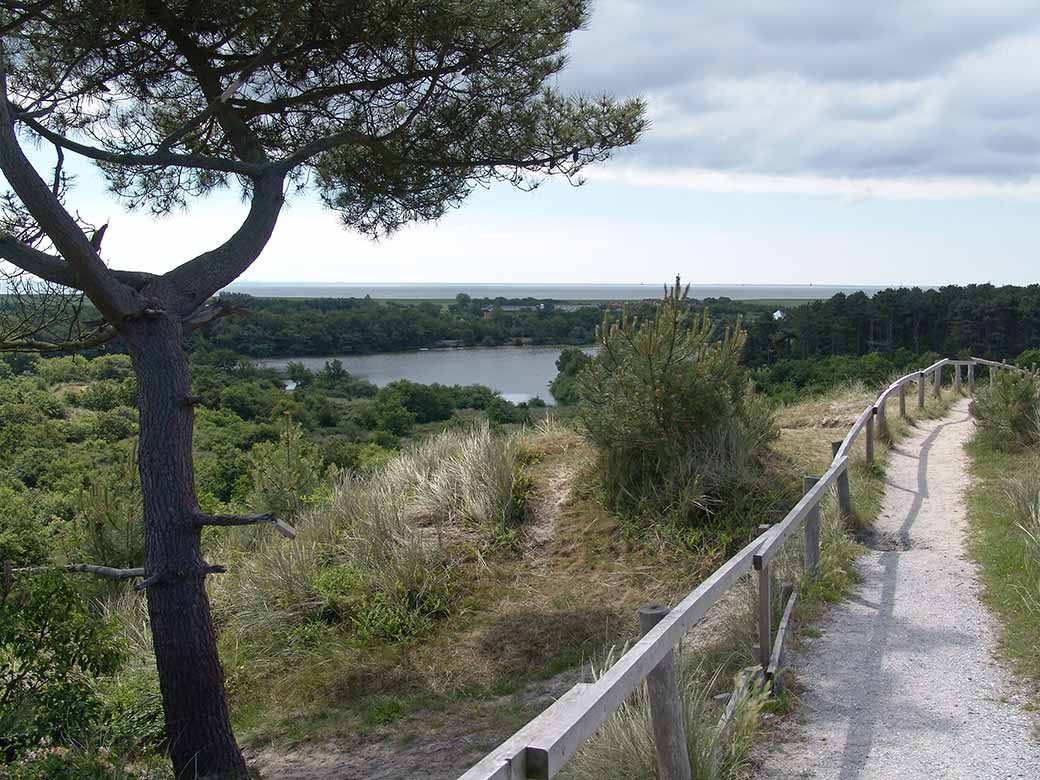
(342, 326)
(790, 379)
(569, 365)
(363, 568)
(1004, 512)
(51, 650)
(893, 329)
(977, 319)
(679, 430)
(1007, 411)
(450, 550)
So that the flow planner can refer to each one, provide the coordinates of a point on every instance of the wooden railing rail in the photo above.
(540, 749)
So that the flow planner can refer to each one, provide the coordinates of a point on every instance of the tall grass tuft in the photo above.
(1007, 412)
(623, 748)
(380, 558)
(1024, 493)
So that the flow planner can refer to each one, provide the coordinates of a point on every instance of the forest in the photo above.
(980, 319)
(345, 326)
(984, 320)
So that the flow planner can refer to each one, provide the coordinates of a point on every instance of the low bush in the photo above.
(1007, 411)
(80, 762)
(679, 429)
(287, 475)
(52, 646)
(569, 365)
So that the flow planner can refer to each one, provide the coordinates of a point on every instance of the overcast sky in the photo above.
(791, 142)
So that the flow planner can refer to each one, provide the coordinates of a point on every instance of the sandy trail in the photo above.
(903, 682)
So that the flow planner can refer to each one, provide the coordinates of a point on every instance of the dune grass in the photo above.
(1004, 515)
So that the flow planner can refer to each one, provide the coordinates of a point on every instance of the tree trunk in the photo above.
(202, 744)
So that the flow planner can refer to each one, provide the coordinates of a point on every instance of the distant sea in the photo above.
(559, 292)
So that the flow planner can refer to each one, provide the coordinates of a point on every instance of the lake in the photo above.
(518, 373)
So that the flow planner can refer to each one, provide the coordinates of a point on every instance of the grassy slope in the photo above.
(533, 617)
(1008, 566)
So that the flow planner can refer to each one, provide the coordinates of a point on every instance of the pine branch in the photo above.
(107, 572)
(283, 528)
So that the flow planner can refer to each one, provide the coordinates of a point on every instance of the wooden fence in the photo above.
(539, 750)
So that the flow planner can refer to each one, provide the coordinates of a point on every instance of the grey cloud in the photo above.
(847, 89)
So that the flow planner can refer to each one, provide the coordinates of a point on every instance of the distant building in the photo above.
(779, 315)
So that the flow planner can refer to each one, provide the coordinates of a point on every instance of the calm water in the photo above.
(518, 373)
(559, 292)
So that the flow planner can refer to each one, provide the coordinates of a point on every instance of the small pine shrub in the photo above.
(287, 475)
(679, 429)
(1007, 411)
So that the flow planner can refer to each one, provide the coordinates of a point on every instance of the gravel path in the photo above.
(903, 682)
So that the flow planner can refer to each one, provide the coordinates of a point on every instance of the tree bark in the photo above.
(202, 744)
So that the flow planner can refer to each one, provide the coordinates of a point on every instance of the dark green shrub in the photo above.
(501, 412)
(1029, 360)
(394, 614)
(116, 424)
(287, 475)
(569, 364)
(51, 648)
(391, 415)
(22, 540)
(1007, 411)
(109, 515)
(429, 403)
(299, 373)
(102, 396)
(132, 714)
(678, 428)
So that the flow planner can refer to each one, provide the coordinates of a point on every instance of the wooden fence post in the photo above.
(920, 390)
(870, 435)
(937, 382)
(765, 617)
(882, 421)
(956, 377)
(812, 531)
(971, 379)
(662, 684)
(902, 400)
(844, 494)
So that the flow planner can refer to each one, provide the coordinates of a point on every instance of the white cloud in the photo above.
(932, 92)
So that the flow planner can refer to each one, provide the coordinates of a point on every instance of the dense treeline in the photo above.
(344, 326)
(983, 320)
(979, 319)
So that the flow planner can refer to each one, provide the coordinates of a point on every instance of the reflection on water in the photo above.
(518, 373)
